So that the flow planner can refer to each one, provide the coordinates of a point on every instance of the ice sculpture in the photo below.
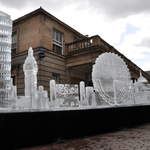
(5, 59)
(90, 96)
(12, 91)
(67, 95)
(23, 103)
(30, 69)
(110, 76)
(142, 90)
(83, 100)
(42, 101)
(53, 101)
(109, 73)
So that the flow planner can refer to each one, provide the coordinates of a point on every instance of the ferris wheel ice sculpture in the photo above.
(111, 79)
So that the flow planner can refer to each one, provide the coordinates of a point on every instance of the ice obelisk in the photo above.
(30, 69)
(5, 58)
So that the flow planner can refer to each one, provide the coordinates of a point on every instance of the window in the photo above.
(58, 42)
(56, 76)
(14, 80)
(14, 41)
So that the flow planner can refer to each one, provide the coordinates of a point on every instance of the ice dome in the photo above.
(30, 62)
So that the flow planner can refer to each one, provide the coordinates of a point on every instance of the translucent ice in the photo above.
(83, 99)
(108, 71)
(42, 100)
(30, 69)
(67, 95)
(53, 101)
(5, 58)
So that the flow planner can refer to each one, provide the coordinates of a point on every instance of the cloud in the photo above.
(111, 8)
(129, 29)
(18, 4)
(120, 8)
(145, 42)
(13, 3)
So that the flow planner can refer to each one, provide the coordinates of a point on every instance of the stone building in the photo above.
(62, 53)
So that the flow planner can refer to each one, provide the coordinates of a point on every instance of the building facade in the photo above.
(61, 52)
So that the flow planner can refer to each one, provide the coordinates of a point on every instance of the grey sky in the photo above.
(125, 24)
(145, 42)
(121, 8)
(111, 8)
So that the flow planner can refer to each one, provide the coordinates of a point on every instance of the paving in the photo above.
(127, 139)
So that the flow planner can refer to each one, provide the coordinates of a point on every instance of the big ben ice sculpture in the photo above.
(5, 58)
(30, 69)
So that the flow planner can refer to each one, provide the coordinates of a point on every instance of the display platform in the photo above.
(23, 129)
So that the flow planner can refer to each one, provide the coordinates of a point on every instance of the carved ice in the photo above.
(90, 96)
(30, 69)
(142, 90)
(53, 101)
(67, 95)
(109, 73)
(42, 100)
(112, 86)
(5, 59)
(83, 100)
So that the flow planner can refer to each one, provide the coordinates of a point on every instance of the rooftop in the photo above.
(42, 11)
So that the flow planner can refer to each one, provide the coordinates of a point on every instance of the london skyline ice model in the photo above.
(112, 86)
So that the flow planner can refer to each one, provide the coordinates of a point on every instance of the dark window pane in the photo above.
(57, 49)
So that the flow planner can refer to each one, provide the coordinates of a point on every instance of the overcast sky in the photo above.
(125, 24)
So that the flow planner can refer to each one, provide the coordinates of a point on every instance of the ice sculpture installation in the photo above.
(111, 78)
(5, 59)
(30, 69)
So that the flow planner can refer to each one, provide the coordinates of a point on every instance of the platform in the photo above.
(20, 129)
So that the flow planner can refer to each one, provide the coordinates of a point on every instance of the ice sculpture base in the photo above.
(34, 127)
(81, 108)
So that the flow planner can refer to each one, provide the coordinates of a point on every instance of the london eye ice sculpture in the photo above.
(111, 79)
(5, 58)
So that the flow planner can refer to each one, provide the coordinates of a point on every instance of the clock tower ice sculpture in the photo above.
(30, 69)
(5, 58)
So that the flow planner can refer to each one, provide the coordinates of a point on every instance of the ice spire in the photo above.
(30, 69)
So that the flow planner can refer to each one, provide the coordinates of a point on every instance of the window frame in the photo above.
(14, 43)
(57, 42)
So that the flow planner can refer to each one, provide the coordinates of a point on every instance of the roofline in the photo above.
(41, 10)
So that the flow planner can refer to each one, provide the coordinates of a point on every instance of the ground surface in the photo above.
(127, 139)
